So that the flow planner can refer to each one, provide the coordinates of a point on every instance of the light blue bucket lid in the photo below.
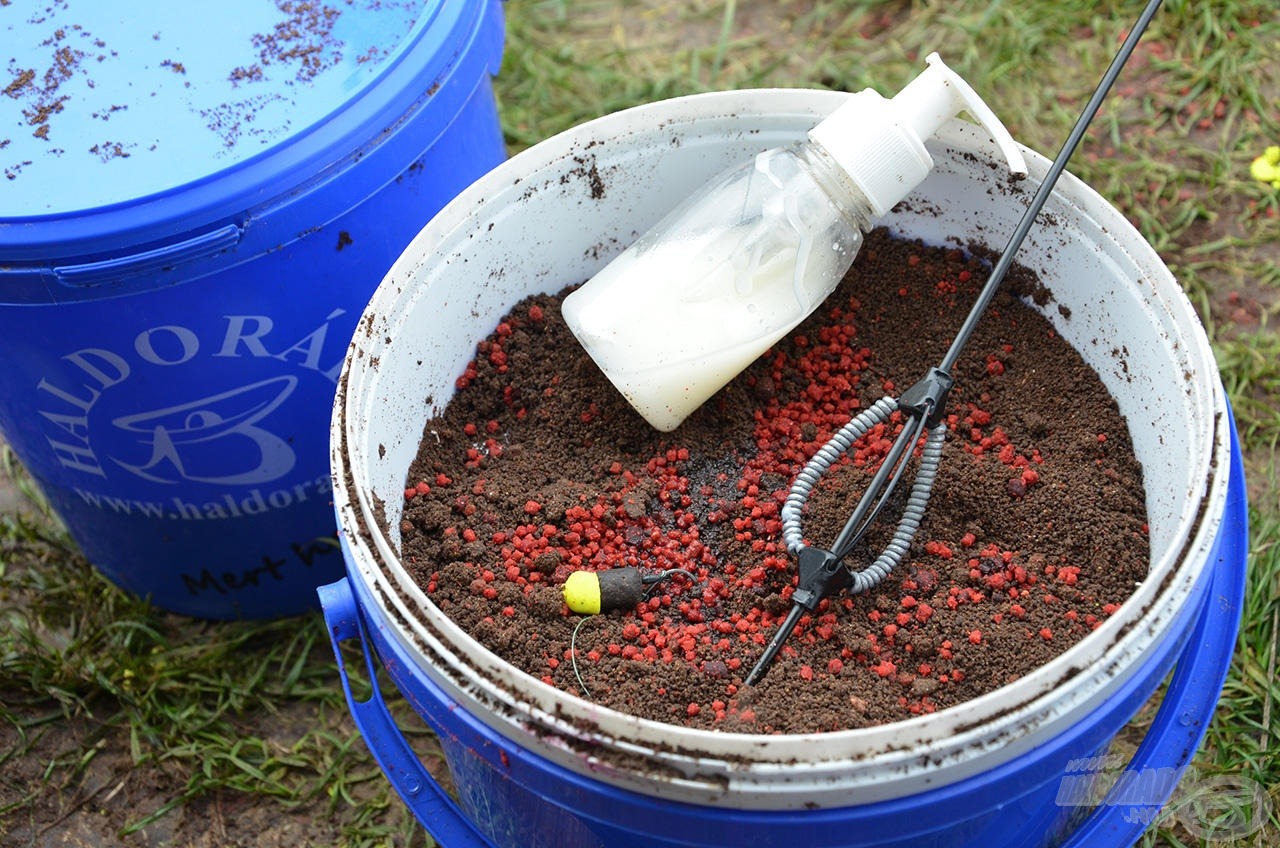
(198, 110)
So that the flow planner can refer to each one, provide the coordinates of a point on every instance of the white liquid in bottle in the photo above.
(697, 299)
(744, 260)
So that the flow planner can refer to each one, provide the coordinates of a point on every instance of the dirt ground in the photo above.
(78, 779)
(88, 812)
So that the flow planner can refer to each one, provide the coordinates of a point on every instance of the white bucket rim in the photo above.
(880, 762)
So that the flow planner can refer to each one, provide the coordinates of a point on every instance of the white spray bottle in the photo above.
(745, 259)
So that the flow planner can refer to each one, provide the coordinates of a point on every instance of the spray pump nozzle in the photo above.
(879, 142)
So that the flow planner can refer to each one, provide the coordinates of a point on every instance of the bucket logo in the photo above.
(180, 436)
(132, 411)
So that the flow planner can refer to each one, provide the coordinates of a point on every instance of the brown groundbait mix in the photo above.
(538, 467)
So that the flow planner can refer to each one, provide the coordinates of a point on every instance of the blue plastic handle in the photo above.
(426, 798)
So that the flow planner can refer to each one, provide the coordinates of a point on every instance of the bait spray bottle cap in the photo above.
(745, 259)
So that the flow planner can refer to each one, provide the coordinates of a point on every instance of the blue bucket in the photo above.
(197, 208)
(536, 766)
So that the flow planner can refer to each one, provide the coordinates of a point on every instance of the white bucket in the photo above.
(557, 213)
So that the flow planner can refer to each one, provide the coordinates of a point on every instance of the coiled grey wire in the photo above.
(912, 515)
(818, 464)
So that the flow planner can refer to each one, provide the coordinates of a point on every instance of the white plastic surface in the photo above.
(881, 143)
(491, 247)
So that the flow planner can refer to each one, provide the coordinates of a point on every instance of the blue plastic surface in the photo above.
(430, 804)
(109, 102)
(516, 798)
(172, 354)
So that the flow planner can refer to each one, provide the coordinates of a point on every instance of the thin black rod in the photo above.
(775, 644)
(1046, 188)
(856, 525)
(861, 521)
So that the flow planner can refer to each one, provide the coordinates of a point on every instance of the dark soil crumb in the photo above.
(1035, 533)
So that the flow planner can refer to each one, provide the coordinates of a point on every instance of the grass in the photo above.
(214, 710)
(245, 725)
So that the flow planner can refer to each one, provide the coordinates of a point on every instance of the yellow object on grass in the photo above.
(1266, 168)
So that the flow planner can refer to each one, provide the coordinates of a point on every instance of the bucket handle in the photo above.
(424, 796)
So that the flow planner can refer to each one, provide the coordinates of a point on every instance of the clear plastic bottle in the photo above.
(745, 259)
